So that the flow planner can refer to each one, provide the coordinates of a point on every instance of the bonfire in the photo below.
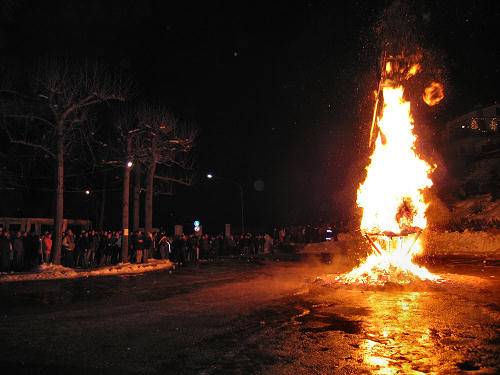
(392, 194)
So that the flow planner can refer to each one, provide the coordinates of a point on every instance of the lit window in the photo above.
(494, 124)
(474, 125)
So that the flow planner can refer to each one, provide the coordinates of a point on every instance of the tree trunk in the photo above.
(102, 210)
(59, 214)
(137, 197)
(125, 205)
(148, 204)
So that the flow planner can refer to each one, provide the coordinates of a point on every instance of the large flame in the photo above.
(392, 199)
(396, 176)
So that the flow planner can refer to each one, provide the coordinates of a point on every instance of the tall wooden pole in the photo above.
(137, 197)
(148, 204)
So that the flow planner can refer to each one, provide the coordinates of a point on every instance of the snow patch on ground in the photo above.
(52, 271)
(480, 207)
(477, 244)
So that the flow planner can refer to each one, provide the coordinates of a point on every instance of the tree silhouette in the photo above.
(49, 112)
(168, 153)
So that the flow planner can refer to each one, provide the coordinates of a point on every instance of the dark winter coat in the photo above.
(4, 253)
(18, 249)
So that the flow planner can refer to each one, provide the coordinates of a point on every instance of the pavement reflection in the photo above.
(398, 336)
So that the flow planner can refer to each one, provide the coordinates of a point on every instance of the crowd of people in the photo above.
(88, 249)
(23, 251)
(306, 233)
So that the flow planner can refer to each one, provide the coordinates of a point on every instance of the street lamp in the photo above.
(210, 176)
(130, 164)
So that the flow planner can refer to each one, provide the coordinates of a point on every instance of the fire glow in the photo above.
(392, 200)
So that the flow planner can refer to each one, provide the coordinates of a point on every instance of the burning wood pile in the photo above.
(392, 194)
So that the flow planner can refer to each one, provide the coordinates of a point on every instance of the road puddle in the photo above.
(303, 313)
(318, 318)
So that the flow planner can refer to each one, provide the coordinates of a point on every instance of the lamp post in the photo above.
(210, 176)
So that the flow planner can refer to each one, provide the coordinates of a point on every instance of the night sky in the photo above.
(281, 92)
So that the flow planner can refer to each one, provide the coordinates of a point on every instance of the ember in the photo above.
(433, 94)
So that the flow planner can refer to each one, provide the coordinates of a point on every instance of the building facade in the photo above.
(475, 132)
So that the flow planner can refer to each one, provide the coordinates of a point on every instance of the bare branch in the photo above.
(175, 180)
(30, 117)
(30, 144)
(88, 102)
(19, 94)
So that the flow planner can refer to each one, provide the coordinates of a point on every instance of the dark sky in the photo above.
(281, 90)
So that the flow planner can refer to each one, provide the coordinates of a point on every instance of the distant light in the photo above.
(258, 185)
(235, 54)
(196, 229)
(196, 223)
(129, 164)
(329, 231)
(209, 176)
(87, 192)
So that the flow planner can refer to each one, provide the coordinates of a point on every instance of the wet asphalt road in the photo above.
(239, 317)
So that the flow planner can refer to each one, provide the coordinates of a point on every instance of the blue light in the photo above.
(196, 223)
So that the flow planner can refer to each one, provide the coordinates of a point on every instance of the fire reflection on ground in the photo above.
(398, 338)
(416, 332)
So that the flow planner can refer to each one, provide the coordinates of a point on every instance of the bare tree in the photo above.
(152, 138)
(124, 151)
(168, 145)
(50, 115)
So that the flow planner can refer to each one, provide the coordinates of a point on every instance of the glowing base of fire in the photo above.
(378, 270)
(394, 265)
